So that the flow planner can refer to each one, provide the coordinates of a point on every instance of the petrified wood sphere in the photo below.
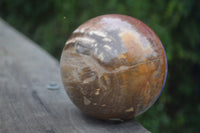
(113, 67)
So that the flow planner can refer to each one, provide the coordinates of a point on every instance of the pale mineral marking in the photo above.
(84, 39)
(89, 79)
(86, 100)
(107, 47)
(70, 41)
(76, 31)
(101, 56)
(82, 30)
(97, 92)
(95, 44)
(129, 110)
(103, 105)
(98, 33)
(107, 39)
(80, 39)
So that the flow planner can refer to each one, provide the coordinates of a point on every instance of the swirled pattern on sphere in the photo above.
(113, 67)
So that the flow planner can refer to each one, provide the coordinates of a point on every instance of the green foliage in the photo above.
(176, 22)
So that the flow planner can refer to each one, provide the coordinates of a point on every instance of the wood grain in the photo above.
(26, 103)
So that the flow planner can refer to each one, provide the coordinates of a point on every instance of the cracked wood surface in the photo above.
(26, 103)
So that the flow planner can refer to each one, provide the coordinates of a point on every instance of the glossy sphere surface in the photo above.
(113, 67)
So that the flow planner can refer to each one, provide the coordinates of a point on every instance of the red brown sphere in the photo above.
(113, 67)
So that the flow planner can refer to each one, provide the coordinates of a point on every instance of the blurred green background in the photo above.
(176, 22)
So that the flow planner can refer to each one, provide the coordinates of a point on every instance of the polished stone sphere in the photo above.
(113, 67)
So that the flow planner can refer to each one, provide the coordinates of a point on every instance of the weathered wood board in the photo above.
(26, 103)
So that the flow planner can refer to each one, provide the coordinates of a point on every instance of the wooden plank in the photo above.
(27, 105)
